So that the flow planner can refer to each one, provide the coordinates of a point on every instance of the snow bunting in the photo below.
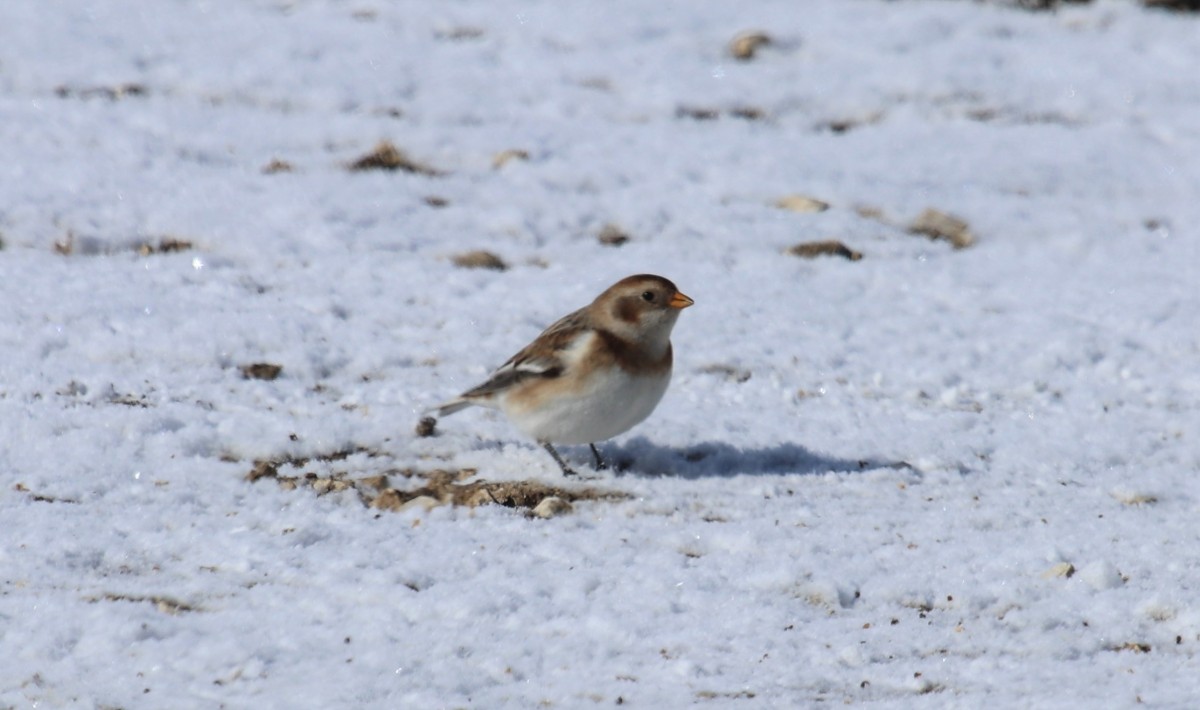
(592, 375)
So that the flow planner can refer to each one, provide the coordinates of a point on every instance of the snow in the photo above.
(954, 478)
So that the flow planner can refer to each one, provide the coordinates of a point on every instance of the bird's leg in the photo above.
(600, 463)
(567, 470)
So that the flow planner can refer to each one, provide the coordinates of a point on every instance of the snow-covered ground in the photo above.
(928, 478)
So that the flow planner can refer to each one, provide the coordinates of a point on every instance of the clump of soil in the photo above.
(429, 489)
(939, 225)
(385, 156)
(479, 259)
(612, 236)
(811, 250)
(261, 371)
(746, 44)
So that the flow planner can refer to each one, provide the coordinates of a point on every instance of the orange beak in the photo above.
(680, 301)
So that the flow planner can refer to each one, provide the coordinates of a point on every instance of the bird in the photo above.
(593, 374)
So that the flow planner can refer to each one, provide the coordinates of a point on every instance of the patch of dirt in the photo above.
(731, 373)
(709, 113)
(42, 497)
(479, 259)
(697, 113)
(71, 245)
(114, 92)
(128, 399)
(848, 123)
(612, 236)
(506, 156)
(811, 250)
(936, 224)
(165, 245)
(427, 427)
(278, 165)
(261, 371)
(429, 489)
(801, 203)
(1134, 646)
(166, 605)
(748, 113)
(746, 44)
(385, 156)
(731, 695)
(302, 461)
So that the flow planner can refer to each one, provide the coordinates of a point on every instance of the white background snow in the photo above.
(1042, 386)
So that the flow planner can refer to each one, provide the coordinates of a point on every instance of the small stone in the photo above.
(1126, 496)
(427, 427)
(505, 156)
(262, 469)
(388, 499)
(173, 607)
(552, 507)
(261, 371)
(697, 113)
(66, 245)
(386, 156)
(729, 372)
(170, 245)
(746, 44)
(479, 259)
(463, 474)
(748, 113)
(1062, 569)
(426, 503)
(479, 496)
(112, 93)
(872, 212)
(277, 166)
(845, 124)
(801, 203)
(166, 245)
(940, 225)
(811, 250)
(612, 236)
(378, 482)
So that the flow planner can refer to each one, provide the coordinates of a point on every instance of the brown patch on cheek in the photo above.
(627, 310)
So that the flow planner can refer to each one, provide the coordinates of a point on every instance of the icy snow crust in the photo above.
(954, 478)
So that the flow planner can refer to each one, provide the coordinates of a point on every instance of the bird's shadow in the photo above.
(640, 456)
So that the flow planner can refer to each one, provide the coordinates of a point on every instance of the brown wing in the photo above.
(538, 359)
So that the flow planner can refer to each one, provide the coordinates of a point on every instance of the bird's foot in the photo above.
(567, 470)
(601, 464)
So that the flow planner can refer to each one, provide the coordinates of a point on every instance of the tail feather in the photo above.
(447, 408)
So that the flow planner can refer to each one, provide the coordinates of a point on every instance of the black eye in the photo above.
(648, 296)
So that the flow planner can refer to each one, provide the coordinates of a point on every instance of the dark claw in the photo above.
(601, 464)
(567, 470)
